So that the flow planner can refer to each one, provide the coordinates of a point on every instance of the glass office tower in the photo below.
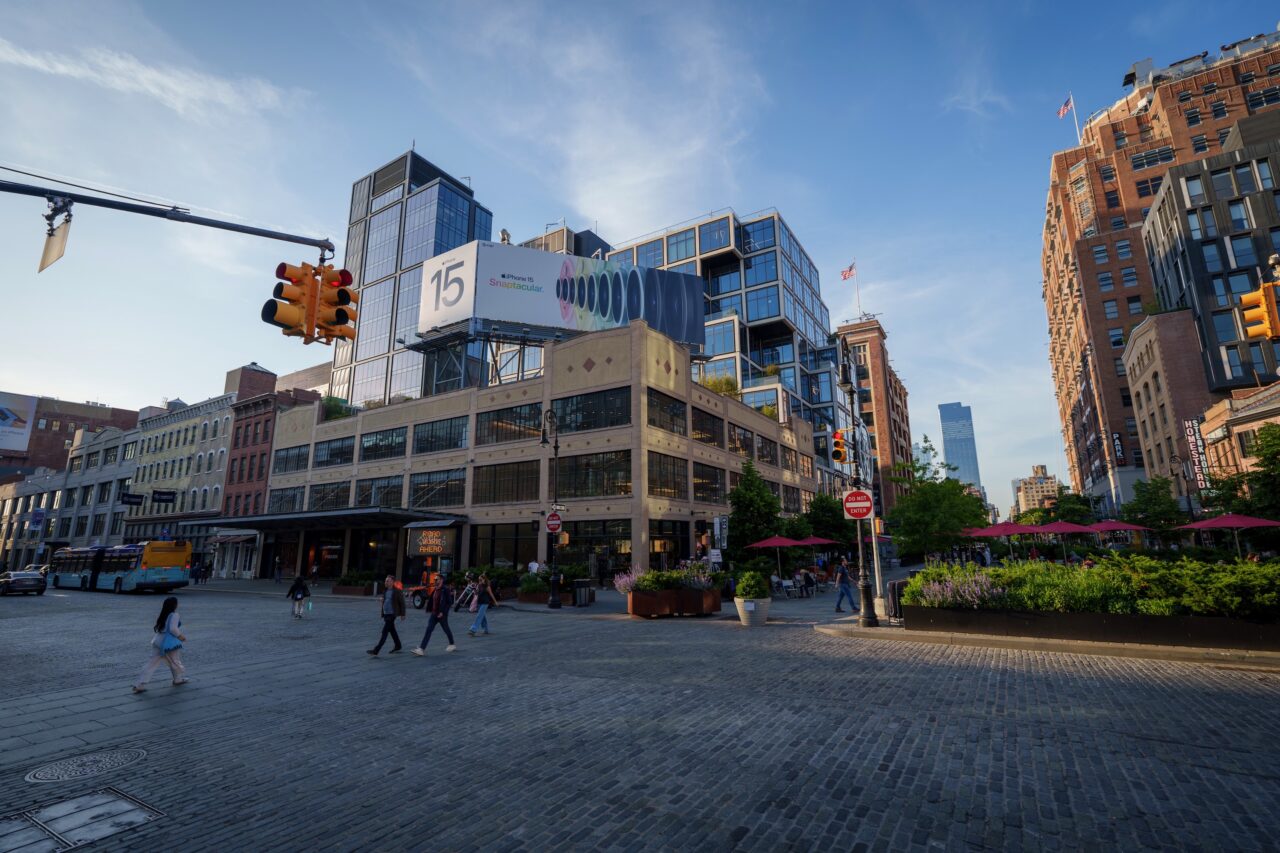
(766, 324)
(401, 215)
(958, 446)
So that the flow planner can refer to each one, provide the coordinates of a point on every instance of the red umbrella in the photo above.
(1113, 526)
(1230, 521)
(816, 540)
(1004, 528)
(1064, 527)
(778, 542)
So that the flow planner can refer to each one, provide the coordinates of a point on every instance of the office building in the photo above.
(882, 407)
(38, 432)
(1097, 276)
(1035, 492)
(564, 241)
(401, 215)
(959, 449)
(921, 456)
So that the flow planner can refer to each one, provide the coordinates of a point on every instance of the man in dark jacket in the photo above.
(441, 598)
(392, 609)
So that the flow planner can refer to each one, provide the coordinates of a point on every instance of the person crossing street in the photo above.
(392, 609)
(441, 598)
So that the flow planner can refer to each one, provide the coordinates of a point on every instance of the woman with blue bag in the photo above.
(166, 647)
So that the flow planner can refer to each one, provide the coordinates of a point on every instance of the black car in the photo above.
(22, 582)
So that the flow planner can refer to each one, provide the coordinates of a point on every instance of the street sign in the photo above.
(553, 522)
(37, 516)
(163, 496)
(713, 556)
(722, 531)
(858, 504)
(130, 499)
(559, 508)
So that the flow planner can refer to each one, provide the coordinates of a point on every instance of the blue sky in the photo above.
(913, 137)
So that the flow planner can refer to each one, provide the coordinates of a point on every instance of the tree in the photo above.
(1069, 506)
(1229, 493)
(826, 518)
(1264, 479)
(726, 385)
(1154, 506)
(754, 515)
(935, 510)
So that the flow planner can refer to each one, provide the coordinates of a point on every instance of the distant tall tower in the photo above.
(958, 446)
(922, 456)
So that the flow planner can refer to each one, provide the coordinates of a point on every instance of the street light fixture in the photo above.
(552, 423)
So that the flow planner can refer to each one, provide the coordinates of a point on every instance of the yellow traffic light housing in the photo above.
(294, 307)
(1261, 316)
(562, 539)
(839, 452)
(335, 308)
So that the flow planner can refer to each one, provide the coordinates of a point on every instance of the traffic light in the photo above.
(335, 309)
(1261, 318)
(296, 314)
(839, 453)
(562, 538)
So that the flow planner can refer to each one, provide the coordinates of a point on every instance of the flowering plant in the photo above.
(625, 582)
(976, 591)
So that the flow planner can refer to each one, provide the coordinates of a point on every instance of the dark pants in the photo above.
(846, 590)
(432, 621)
(388, 629)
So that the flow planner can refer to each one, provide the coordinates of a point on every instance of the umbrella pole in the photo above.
(1236, 532)
(1062, 539)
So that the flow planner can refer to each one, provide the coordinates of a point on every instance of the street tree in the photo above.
(1154, 506)
(826, 518)
(754, 514)
(935, 510)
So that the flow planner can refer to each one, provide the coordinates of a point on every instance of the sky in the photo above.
(913, 137)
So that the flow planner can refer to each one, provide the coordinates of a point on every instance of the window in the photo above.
(1135, 305)
(1149, 187)
(1121, 138)
(1184, 96)
(383, 444)
(1107, 173)
(374, 337)
(593, 475)
(1238, 215)
(289, 459)
(435, 436)
(1275, 240)
(680, 246)
(707, 428)
(1193, 117)
(1117, 222)
(667, 413)
(91, 460)
(1224, 327)
(597, 410)
(1117, 338)
(1235, 369)
(1153, 157)
(713, 235)
(649, 254)
(766, 450)
(1123, 252)
(512, 424)
(1264, 174)
(329, 496)
(1223, 134)
(1100, 255)
(438, 488)
(757, 235)
(719, 339)
(1221, 181)
(130, 450)
(625, 255)
(668, 476)
(1244, 179)
(285, 500)
(762, 304)
(759, 269)
(1195, 191)
(1219, 109)
(1199, 144)
(337, 451)
(1129, 276)
(1243, 252)
(381, 249)
(104, 492)
(1125, 398)
(1119, 364)
(512, 482)
(1263, 98)
(1109, 309)
(109, 456)
(708, 484)
(380, 491)
(1113, 198)
(1105, 282)
(1212, 257)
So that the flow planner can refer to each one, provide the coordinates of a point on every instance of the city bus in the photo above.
(159, 566)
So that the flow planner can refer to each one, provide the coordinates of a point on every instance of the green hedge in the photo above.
(1117, 584)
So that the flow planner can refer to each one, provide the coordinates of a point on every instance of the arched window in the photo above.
(222, 458)
(215, 428)
(1155, 379)
(204, 499)
(199, 461)
(226, 425)
(217, 492)
(182, 502)
(204, 431)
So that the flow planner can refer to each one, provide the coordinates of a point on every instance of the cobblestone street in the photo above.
(588, 730)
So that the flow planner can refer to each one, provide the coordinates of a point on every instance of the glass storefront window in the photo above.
(668, 543)
(503, 545)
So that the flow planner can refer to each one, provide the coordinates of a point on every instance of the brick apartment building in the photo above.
(1097, 278)
(882, 403)
(53, 429)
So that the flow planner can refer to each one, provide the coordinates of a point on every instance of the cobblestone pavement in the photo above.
(589, 730)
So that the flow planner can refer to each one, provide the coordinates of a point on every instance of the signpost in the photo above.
(553, 522)
(860, 504)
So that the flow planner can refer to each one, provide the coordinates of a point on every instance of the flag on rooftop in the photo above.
(1065, 108)
(849, 272)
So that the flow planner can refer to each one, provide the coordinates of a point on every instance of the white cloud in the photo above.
(977, 95)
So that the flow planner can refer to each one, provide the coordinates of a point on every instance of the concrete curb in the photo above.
(1242, 658)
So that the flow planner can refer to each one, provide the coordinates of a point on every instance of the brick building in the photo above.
(882, 405)
(1097, 278)
(1035, 492)
(53, 426)
(1230, 427)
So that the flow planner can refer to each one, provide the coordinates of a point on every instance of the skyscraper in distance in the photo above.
(958, 447)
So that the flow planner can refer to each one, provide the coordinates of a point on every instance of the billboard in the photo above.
(17, 414)
(495, 281)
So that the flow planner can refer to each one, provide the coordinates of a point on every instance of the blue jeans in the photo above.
(481, 623)
(847, 590)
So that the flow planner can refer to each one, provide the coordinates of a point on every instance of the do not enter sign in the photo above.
(553, 522)
(858, 504)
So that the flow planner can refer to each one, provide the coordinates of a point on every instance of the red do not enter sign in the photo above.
(553, 522)
(858, 504)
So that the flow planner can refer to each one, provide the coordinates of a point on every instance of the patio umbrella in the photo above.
(813, 542)
(1113, 526)
(1060, 528)
(1003, 530)
(1230, 521)
(777, 542)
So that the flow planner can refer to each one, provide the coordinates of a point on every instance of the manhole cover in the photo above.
(80, 766)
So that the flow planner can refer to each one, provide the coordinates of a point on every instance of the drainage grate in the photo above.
(74, 822)
(81, 766)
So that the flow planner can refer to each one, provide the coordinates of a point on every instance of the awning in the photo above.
(435, 522)
(331, 519)
(229, 540)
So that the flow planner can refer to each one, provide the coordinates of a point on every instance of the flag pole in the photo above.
(857, 287)
(1075, 117)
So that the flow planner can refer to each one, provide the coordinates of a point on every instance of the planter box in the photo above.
(755, 615)
(367, 589)
(1197, 631)
(699, 602)
(674, 602)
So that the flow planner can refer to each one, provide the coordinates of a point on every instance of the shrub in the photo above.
(975, 591)
(658, 581)
(533, 584)
(752, 585)
(624, 582)
(357, 579)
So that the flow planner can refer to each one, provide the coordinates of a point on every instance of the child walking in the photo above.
(298, 594)
(166, 647)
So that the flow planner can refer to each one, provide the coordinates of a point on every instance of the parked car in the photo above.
(22, 582)
(42, 568)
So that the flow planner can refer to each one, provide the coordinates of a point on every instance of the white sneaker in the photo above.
(422, 653)
(450, 648)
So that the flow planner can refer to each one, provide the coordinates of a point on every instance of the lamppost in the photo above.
(1180, 479)
(552, 423)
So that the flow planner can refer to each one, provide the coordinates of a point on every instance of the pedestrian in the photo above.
(277, 570)
(315, 572)
(480, 602)
(166, 647)
(298, 594)
(392, 609)
(845, 585)
(441, 598)
(533, 567)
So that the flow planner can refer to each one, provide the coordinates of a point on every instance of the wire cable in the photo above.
(95, 189)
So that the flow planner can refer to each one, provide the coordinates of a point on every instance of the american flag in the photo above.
(849, 272)
(1065, 108)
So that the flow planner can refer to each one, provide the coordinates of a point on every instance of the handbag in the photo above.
(308, 605)
(169, 643)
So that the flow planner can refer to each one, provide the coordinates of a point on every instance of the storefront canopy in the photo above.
(333, 519)
(435, 522)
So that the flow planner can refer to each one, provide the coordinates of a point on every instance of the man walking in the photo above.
(845, 585)
(441, 598)
(277, 570)
(392, 609)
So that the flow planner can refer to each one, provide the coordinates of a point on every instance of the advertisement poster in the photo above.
(17, 415)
